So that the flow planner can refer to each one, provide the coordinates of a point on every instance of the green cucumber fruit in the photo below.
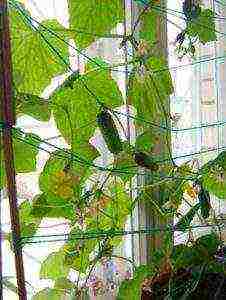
(109, 131)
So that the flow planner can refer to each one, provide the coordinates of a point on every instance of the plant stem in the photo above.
(8, 119)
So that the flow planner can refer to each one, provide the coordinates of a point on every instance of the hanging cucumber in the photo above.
(109, 131)
(146, 161)
(204, 200)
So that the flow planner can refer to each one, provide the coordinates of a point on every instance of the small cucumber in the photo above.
(109, 131)
(204, 200)
(146, 161)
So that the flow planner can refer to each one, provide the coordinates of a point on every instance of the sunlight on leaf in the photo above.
(92, 19)
(31, 52)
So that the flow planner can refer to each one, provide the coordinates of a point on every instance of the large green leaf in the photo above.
(34, 56)
(150, 86)
(92, 19)
(203, 27)
(131, 289)
(214, 176)
(25, 150)
(54, 267)
(28, 223)
(75, 109)
(52, 206)
(33, 106)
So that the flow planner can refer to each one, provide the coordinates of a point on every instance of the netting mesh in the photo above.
(118, 150)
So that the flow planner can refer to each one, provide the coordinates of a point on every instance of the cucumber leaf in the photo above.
(203, 27)
(28, 223)
(33, 106)
(75, 110)
(53, 267)
(92, 19)
(150, 86)
(34, 61)
(25, 150)
(52, 206)
(131, 289)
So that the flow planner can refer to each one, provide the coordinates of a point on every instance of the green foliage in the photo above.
(146, 141)
(124, 163)
(33, 106)
(28, 223)
(200, 252)
(166, 194)
(131, 289)
(51, 206)
(185, 222)
(213, 176)
(39, 55)
(34, 61)
(61, 184)
(93, 19)
(77, 252)
(181, 257)
(63, 283)
(200, 28)
(112, 217)
(150, 87)
(207, 245)
(25, 151)
(75, 110)
(119, 208)
(60, 177)
(49, 294)
(53, 267)
(148, 26)
(203, 27)
(116, 211)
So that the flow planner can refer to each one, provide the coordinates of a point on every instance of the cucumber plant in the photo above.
(97, 210)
